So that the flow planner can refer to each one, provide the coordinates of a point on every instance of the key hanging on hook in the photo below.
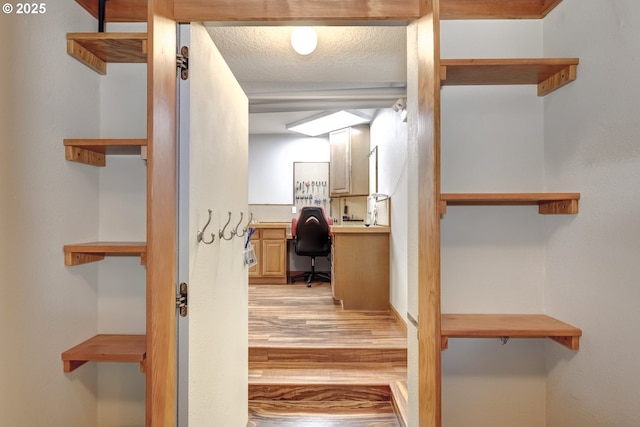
(222, 230)
(199, 236)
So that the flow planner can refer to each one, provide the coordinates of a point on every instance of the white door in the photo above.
(213, 338)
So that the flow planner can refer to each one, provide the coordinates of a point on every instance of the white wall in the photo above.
(592, 268)
(45, 308)
(492, 258)
(271, 159)
(389, 134)
(122, 297)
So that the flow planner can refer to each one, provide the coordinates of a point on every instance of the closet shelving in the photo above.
(106, 348)
(118, 10)
(549, 74)
(83, 253)
(96, 50)
(496, 9)
(548, 203)
(94, 151)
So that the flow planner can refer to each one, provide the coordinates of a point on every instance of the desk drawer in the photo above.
(272, 233)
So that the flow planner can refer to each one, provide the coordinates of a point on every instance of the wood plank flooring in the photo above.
(313, 364)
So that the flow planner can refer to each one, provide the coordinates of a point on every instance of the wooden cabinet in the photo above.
(349, 161)
(360, 267)
(270, 246)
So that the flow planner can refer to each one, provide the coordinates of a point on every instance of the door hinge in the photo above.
(182, 62)
(182, 299)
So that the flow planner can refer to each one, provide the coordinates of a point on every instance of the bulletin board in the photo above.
(311, 184)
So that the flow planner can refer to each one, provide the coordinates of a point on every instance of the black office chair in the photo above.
(311, 238)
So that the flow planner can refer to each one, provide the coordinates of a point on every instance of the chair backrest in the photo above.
(312, 232)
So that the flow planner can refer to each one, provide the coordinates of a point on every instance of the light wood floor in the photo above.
(313, 364)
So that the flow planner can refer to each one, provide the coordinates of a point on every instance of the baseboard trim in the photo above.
(399, 318)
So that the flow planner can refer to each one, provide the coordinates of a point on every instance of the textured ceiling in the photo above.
(352, 67)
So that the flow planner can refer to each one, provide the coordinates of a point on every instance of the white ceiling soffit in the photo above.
(350, 62)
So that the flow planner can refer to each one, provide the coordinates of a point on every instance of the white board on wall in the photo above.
(271, 159)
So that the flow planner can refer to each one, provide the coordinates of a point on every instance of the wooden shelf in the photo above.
(496, 9)
(106, 348)
(95, 50)
(548, 73)
(136, 10)
(508, 326)
(548, 203)
(118, 10)
(83, 253)
(93, 151)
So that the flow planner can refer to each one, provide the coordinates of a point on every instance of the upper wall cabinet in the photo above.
(349, 167)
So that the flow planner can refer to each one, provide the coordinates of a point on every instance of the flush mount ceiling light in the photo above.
(304, 40)
(328, 121)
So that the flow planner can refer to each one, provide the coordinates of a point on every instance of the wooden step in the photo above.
(319, 392)
(287, 373)
(311, 355)
(333, 413)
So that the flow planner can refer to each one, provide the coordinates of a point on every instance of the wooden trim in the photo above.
(428, 227)
(317, 11)
(401, 322)
(161, 216)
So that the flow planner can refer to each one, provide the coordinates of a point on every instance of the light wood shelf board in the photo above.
(510, 326)
(118, 10)
(548, 73)
(83, 253)
(548, 203)
(496, 9)
(106, 348)
(95, 50)
(93, 151)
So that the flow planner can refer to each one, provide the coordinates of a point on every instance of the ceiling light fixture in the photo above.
(328, 121)
(304, 40)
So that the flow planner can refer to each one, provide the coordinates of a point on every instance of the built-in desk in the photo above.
(360, 266)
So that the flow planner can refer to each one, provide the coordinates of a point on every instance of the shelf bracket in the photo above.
(572, 343)
(558, 207)
(561, 78)
(83, 155)
(77, 258)
(83, 55)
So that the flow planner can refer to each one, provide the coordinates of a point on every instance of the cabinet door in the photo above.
(274, 262)
(340, 165)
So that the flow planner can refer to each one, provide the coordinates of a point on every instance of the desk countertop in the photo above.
(352, 229)
(269, 225)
